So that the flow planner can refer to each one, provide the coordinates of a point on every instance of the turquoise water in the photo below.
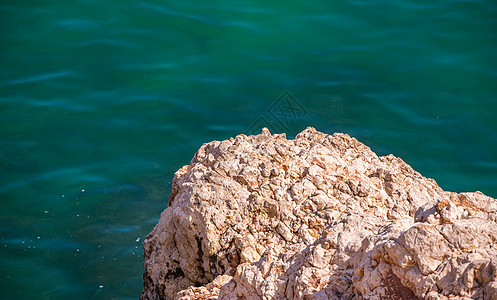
(101, 102)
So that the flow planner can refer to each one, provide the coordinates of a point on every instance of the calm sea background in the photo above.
(102, 101)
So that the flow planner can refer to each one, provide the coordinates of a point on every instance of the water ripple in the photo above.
(41, 77)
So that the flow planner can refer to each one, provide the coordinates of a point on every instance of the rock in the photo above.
(317, 217)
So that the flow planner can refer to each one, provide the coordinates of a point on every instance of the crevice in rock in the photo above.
(200, 256)
(175, 273)
(396, 290)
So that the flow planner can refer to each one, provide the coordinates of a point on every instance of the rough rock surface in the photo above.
(317, 217)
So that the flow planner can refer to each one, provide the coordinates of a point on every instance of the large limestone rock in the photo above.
(317, 217)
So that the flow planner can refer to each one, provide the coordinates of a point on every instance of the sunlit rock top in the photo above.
(317, 217)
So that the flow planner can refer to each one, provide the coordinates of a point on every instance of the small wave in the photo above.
(40, 77)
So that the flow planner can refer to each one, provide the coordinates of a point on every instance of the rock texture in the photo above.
(317, 217)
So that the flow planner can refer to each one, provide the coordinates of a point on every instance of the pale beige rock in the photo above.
(317, 217)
